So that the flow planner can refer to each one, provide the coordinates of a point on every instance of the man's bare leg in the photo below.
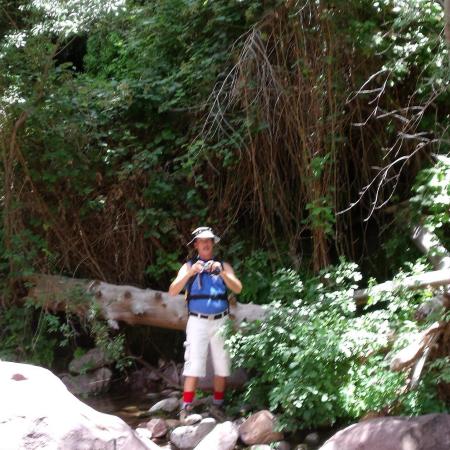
(190, 384)
(219, 383)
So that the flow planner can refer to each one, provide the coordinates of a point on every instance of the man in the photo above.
(206, 282)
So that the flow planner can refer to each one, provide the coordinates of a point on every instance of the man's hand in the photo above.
(197, 268)
(216, 268)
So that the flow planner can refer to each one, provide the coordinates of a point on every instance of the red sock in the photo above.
(218, 397)
(188, 397)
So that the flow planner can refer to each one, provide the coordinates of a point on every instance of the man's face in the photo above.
(204, 246)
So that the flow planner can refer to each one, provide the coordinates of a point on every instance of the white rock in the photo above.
(259, 428)
(192, 419)
(144, 433)
(38, 412)
(167, 405)
(223, 437)
(190, 435)
(157, 427)
(281, 445)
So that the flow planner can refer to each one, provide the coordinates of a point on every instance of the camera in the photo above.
(207, 267)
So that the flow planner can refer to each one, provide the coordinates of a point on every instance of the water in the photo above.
(130, 407)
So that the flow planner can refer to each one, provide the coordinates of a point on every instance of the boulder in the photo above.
(37, 411)
(259, 428)
(144, 433)
(173, 423)
(167, 405)
(223, 437)
(91, 360)
(192, 419)
(92, 383)
(144, 379)
(171, 375)
(190, 435)
(157, 427)
(429, 432)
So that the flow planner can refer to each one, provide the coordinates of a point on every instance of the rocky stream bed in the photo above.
(38, 411)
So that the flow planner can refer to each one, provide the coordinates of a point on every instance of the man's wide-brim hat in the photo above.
(204, 233)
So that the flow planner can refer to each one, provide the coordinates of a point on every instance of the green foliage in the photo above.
(431, 198)
(113, 346)
(116, 139)
(321, 215)
(412, 43)
(255, 272)
(31, 335)
(316, 360)
(105, 147)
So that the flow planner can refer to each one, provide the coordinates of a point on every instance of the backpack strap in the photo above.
(189, 284)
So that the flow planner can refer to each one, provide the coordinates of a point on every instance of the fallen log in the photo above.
(422, 281)
(407, 357)
(136, 306)
(428, 243)
(127, 304)
(415, 355)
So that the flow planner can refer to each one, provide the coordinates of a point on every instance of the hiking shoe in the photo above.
(185, 411)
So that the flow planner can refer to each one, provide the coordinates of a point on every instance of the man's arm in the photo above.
(231, 280)
(187, 271)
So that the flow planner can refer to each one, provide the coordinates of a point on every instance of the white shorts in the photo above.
(199, 334)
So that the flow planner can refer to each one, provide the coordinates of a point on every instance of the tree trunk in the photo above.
(149, 307)
(127, 304)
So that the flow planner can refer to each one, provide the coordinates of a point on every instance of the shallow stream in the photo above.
(132, 407)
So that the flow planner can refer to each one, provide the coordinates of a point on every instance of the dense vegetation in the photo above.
(125, 124)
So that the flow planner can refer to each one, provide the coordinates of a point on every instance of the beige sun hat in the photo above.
(204, 233)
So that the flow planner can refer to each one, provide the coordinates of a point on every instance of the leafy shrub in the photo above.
(30, 334)
(432, 194)
(255, 272)
(27, 334)
(316, 359)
